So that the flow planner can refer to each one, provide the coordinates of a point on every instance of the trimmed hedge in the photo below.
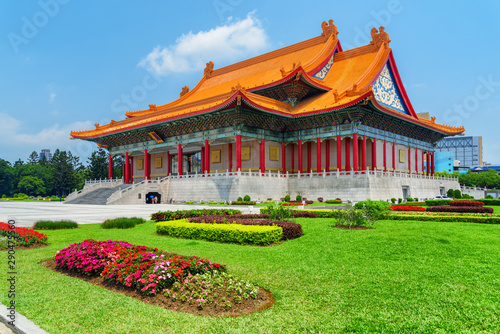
(407, 208)
(175, 215)
(54, 225)
(486, 201)
(466, 203)
(291, 230)
(122, 223)
(333, 201)
(437, 202)
(448, 218)
(489, 201)
(409, 204)
(226, 233)
(474, 209)
(243, 203)
(321, 213)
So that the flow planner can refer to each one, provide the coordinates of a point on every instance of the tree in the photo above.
(450, 193)
(98, 165)
(63, 172)
(6, 177)
(33, 158)
(32, 185)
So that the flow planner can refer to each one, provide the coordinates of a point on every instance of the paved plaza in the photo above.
(27, 213)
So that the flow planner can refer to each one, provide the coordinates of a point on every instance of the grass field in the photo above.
(413, 277)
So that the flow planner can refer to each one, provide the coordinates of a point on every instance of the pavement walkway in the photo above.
(26, 213)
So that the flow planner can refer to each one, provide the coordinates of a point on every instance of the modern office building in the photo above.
(468, 150)
(45, 153)
(444, 162)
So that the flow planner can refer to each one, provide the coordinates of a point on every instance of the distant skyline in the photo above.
(65, 65)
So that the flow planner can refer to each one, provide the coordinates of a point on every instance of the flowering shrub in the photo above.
(474, 209)
(410, 204)
(447, 217)
(23, 236)
(466, 203)
(175, 215)
(146, 269)
(407, 208)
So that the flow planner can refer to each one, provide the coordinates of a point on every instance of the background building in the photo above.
(444, 162)
(468, 150)
(45, 153)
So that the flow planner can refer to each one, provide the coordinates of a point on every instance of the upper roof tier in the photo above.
(309, 77)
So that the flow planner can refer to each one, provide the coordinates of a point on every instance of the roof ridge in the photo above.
(355, 52)
(272, 54)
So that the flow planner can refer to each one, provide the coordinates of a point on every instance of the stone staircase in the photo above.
(99, 196)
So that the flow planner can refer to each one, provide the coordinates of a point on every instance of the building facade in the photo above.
(468, 150)
(307, 109)
(45, 153)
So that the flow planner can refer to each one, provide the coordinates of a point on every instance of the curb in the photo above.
(22, 324)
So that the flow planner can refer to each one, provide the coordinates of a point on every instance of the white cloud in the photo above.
(233, 41)
(17, 142)
(52, 97)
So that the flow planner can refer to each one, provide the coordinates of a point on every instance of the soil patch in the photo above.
(346, 227)
(26, 247)
(263, 301)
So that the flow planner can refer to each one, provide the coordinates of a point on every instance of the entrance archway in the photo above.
(150, 198)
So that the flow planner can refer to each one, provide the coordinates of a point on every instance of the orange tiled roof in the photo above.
(348, 80)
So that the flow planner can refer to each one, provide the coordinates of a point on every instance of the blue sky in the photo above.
(66, 64)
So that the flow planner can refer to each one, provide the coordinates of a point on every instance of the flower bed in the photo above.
(145, 269)
(467, 203)
(450, 217)
(291, 230)
(23, 236)
(226, 233)
(459, 209)
(175, 215)
(407, 208)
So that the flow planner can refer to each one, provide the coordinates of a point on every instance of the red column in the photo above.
(110, 167)
(409, 160)
(262, 156)
(432, 163)
(393, 157)
(207, 156)
(339, 153)
(416, 160)
(374, 154)
(385, 156)
(131, 171)
(283, 157)
(169, 164)
(300, 155)
(363, 154)
(203, 159)
(428, 163)
(327, 155)
(126, 174)
(309, 157)
(318, 155)
(179, 158)
(348, 154)
(423, 158)
(147, 169)
(293, 158)
(355, 161)
(238, 153)
(230, 157)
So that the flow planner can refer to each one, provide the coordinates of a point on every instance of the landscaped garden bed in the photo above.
(181, 283)
(20, 237)
(181, 214)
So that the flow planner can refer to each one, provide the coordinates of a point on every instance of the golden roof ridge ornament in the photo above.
(379, 37)
(152, 107)
(209, 69)
(238, 87)
(184, 91)
(329, 29)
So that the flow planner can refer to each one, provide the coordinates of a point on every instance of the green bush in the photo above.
(333, 201)
(458, 194)
(280, 213)
(450, 193)
(243, 203)
(189, 202)
(226, 233)
(54, 225)
(376, 209)
(416, 199)
(487, 196)
(174, 215)
(409, 199)
(240, 199)
(393, 200)
(212, 202)
(489, 201)
(122, 223)
(437, 202)
(354, 217)
(400, 200)
(5, 196)
(287, 198)
(298, 198)
(246, 198)
(221, 202)
(446, 218)
(322, 213)
(56, 199)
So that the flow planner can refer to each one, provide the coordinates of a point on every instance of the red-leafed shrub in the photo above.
(407, 208)
(291, 230)
(466, 203)
(476, 209)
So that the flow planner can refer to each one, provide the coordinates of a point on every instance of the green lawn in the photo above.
(401, 277)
